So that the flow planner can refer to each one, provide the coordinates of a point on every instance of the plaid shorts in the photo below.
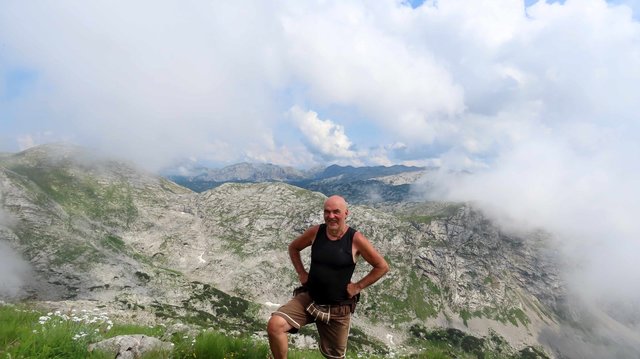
(333, 322)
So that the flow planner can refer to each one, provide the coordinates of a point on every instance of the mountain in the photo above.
(359, 185)
(201, 179)
(77, 219)
(101, 233)
(363, 173)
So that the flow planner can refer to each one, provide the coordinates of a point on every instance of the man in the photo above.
(329, 296)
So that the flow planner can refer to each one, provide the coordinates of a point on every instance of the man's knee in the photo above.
(277, 325)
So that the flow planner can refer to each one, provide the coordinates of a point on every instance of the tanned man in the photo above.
(328, 295)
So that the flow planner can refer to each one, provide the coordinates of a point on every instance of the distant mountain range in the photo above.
(372, 184)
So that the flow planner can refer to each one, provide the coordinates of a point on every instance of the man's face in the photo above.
(335, 213)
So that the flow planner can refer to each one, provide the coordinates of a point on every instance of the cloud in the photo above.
(560, 153)
(579, 185)
(161, 81)
(364, 57)
(148, 82)
(14, 271)
(324, 137)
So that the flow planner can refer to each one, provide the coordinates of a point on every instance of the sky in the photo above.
(314, 83)
(538, 100)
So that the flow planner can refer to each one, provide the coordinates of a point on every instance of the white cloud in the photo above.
(14, 272)
(25, 142)
(160, 80)
(148, 82)
(29, 140)
(355, 55)
(324, 137)
(587, 199)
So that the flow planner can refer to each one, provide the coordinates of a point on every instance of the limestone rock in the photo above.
(131, 346)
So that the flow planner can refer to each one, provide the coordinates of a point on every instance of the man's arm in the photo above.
(371, 255)
(296, 246)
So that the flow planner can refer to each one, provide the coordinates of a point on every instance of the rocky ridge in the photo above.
(98, 231)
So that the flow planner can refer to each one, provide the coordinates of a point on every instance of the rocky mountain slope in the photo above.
(100, 232)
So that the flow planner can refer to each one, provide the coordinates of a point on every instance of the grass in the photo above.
(419, 298)
(30, 333)
(114, 243)
(51, 335)
(417, 218)
(515, 316)
(453, 343)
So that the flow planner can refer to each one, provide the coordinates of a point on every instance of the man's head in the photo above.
(335, 212)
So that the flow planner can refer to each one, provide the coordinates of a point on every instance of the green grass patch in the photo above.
(216, 345)
(433, 288)
(114, 243)
(83, 194)
(446, 343)
(514, 316)
(465, 315)
(417, 218)
(416, 298)
(79, 254)
(26, 333)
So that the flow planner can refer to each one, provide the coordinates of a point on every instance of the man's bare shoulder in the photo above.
(312, 232)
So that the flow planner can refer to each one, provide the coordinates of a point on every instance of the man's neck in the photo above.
(336, 233)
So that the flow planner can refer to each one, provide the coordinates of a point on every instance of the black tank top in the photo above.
(331, 267)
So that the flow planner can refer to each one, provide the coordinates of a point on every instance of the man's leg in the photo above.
(334, 336)
(277, 329)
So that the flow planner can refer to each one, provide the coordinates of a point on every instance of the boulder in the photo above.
(130, 346)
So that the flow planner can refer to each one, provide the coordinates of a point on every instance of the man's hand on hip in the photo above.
(353, 289)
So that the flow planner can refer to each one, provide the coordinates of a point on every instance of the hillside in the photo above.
(101, 232)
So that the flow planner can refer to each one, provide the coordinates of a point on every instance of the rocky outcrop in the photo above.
(131, 346)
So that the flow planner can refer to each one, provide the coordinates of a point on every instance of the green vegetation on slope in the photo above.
(515, 316)
(410, 297)
(83, 194)
(453, 343)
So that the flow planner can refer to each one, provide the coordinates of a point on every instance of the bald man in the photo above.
(329, 295)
